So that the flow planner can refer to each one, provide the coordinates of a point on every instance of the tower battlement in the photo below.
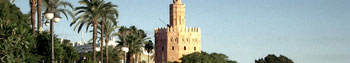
(160, 30)
(174, 29)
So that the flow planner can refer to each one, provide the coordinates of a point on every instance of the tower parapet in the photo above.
(180, 29)
(160, 29)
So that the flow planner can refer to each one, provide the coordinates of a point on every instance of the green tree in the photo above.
(39, 2)
(149, 47)
(64, 52)
(16, 37)
(132, 38)
(271, 58)
(59, 7)
(114, 58)
(32, 12)
(109, 31)
(15, 42)
(109, 13)
(203, 57)
(88, 14)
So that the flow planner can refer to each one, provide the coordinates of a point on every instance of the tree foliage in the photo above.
(203, 57)
(271, 58)
(132, 38)
(149, 47)
(64, 51)
(90, 13)
(16, 39)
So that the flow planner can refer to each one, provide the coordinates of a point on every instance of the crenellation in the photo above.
(185, 29)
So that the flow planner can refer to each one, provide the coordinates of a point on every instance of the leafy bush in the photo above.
(271, 58)
(203, 57)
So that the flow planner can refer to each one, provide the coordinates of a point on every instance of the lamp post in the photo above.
(53, 18)
(126, 50)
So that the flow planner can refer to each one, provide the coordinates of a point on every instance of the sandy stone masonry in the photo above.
(176, 40)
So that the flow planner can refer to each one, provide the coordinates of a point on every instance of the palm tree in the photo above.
(109, 15)
(59, 7)
(122, 36)
(88, 14)
(132, 38)
(149, 48)
(32, 12)
(54, 6)
(109, 31)
(39, 15)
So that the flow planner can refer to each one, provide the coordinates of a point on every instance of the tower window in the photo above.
(188, 40)
(185, 48)
(194, 48)
(172, 48)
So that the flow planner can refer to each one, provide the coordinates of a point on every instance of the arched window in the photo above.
(185, 48)
(194, 48)
(172, 48)
(188, 40)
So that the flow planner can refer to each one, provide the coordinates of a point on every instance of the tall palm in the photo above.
(132, 38)
(109, 31)
(110, 14)
(149, 47)
(59, 7)
(39, 15)
(55, 7)
(89, 14)
(32, 12)
(123, 32)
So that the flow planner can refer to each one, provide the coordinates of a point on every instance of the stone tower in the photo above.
(176, 40)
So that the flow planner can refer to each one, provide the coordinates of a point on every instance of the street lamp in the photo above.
(126, 50)
(49, 15)
(52, 17)
(57, 18)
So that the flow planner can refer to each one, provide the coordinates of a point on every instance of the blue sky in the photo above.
(306, 31)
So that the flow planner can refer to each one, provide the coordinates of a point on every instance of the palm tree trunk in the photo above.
(94, 39)
(129, 57)
(137, 58)
(39, 15)
(32, 7)
(107, 40)
(101, 47)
